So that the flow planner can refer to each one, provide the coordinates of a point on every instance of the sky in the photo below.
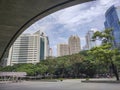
(75, 20)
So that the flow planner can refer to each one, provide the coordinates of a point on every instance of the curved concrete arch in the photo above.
(17, 15)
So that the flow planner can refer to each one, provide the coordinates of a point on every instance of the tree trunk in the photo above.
(115, 71)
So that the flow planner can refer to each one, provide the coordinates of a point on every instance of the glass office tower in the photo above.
(112, 16)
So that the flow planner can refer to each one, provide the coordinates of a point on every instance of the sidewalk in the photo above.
(5, 82)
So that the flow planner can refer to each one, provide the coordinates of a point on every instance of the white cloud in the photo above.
(81, 14)
(94, 29)
(62, 39)
(108, 2)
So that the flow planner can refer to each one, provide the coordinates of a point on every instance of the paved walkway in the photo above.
(64, 85)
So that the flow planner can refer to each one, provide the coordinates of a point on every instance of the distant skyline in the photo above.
(75, 20)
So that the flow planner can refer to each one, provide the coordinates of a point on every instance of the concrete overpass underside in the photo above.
(17, 15)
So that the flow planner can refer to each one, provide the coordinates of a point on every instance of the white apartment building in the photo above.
(50, 52)
(89, 42)
(29, 48)
(62, 49)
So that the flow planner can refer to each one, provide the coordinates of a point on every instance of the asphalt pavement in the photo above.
(64, 85)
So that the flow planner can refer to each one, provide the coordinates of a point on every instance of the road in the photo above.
(65, 85)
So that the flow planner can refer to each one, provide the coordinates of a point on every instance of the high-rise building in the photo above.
(89, 42)
(72, 47)
(112, 16)
(62, 49)
(74, 44)
(44, 45)
(50, 52)
(29, 48)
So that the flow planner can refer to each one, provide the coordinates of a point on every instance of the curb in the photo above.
(91, 81)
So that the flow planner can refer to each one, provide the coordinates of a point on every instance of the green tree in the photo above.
(7, 69)
(105, 53)
(41, 68)
(89, 65)
(28, 68)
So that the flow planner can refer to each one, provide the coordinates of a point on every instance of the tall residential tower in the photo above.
(89, 43)
(62, 49)
(29, 48)
(72, 47)
(74, 44)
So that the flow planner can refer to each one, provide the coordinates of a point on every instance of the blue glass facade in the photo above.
(113, 21)
(42, 43)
